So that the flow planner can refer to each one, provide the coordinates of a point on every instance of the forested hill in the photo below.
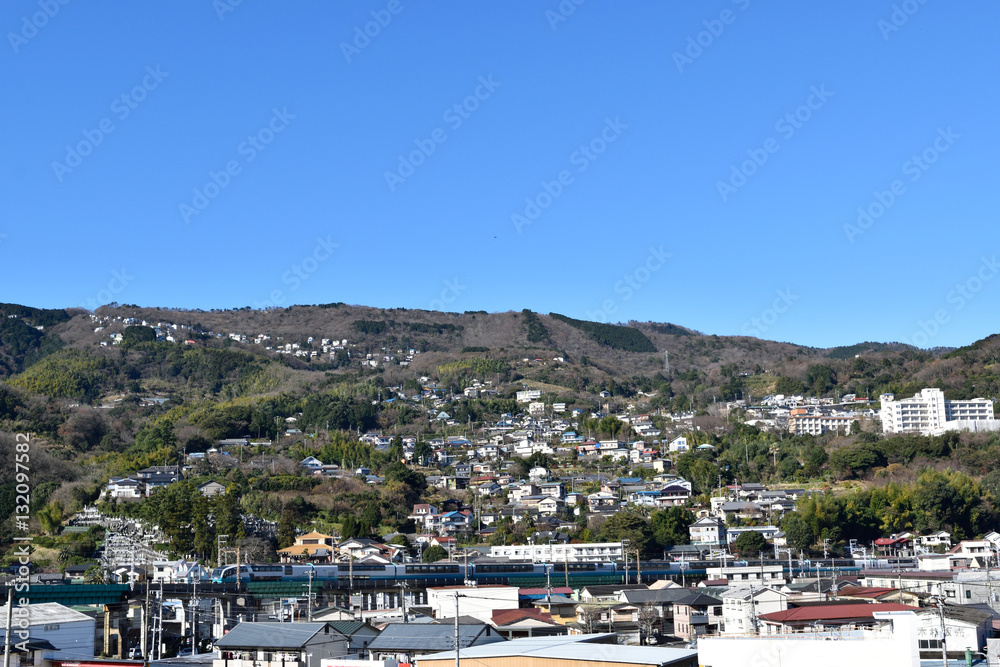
(59, 354)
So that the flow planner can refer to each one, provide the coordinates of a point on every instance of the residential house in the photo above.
(211, 488)
(821, 617)
(50, 631)
(405, 641)
(291, 644)
(313, 547)
(424, 514)
(123, 487)
(516, 623)
(451, 523)
(678, 445)
(741, 605)
(696, 615)
(708, 531)
(549, 505)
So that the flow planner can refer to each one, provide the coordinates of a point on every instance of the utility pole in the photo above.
(566, 563)
(548, 583)
(310, 595)
(944, 649)
(158, 626)
(194, 618)
(457, 664)
(402, 600)
(144, 643)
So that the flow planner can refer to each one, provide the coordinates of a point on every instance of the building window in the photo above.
(929, 643)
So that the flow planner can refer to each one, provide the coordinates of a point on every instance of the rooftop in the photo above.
(593, 647)
(272, 635)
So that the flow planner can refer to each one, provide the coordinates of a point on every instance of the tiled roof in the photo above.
(510, 616)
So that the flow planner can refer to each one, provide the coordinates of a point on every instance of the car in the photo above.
(135, 653)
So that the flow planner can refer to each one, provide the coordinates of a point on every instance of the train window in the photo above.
(288, 569)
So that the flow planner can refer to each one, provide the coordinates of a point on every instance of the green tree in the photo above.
(749, 544)
(138, 334)
(798, 534)
(204, 537)
(51, 517)
(627, 525)
(434, 553)
(371, 518)
(670, 526)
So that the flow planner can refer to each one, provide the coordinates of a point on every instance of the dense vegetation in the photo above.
(628, 339)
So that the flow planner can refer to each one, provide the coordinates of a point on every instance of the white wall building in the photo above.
(893, 646)
(479, 602)
(69, 631)
(590, 552)
(928, 413)
(742, 604)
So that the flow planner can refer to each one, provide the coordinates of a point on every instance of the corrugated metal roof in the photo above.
(349, 627)
(410, 637)
(833, 612)
(272, 635)
(579, 647)
(45, 613)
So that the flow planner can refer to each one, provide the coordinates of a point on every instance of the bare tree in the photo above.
(649, 620)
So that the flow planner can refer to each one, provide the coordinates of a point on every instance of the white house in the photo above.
(678, 444)
(479, 602)
(707, 531)
(742, 604)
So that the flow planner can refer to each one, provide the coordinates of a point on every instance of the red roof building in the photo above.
(826, 616)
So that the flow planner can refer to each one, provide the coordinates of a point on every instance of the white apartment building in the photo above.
(928, 413)
(803, 421)
(590, 552)
(528, 395)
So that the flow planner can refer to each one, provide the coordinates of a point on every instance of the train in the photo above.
(521, 574)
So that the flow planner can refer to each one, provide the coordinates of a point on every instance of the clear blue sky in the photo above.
(663, 122)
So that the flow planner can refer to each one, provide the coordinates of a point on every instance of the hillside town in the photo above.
(714, 596)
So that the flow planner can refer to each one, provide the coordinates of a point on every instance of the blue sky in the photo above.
(698, 163)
